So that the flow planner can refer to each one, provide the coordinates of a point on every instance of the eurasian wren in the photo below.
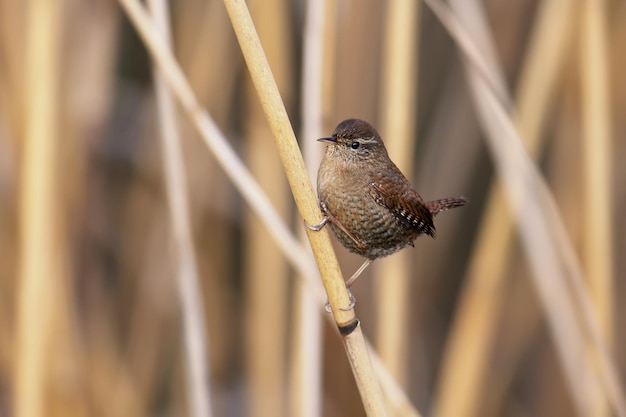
(368, 203)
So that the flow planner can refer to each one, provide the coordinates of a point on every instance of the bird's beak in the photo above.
(328, 139)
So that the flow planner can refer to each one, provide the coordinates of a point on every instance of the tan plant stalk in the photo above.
(399, 403)
(266, 273)
(597, 137)
(187, 282)
(398, 128)
(40, 252)
(306, 363)
(597, 170)
(329, 60)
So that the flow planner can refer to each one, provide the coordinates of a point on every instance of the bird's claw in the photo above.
(350, 306)
(327, 218)
(317, 227)
(330, 218)
(352, 302)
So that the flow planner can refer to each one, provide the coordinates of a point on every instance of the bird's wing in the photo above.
(405, 203)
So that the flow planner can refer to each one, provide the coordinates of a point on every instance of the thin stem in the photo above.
(306, 362)
(195, 339)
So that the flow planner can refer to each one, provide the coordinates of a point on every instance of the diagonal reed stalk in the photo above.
(217, 143)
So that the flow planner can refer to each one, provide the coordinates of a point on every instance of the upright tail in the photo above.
(445, 204)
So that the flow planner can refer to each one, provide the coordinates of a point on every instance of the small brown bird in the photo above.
(368, 203)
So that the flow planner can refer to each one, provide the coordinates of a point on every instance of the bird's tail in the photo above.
(445, 204)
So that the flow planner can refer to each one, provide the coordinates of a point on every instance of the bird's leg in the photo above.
(358, 272)
(328, 217)
(351, 281)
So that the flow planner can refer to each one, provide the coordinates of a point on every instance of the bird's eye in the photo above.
(355, 144)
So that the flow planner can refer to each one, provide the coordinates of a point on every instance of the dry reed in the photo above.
(88, 322)
(40, 264)
(398, 115)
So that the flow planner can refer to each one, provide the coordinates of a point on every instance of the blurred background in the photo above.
(90, 318)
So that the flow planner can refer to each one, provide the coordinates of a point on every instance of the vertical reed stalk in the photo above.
(306, 362)
(39, 263)
(266, 273)
(399, 113)
(187, 277)
(597, 170)
(597, 151)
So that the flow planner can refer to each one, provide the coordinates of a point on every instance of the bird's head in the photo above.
(355, 141)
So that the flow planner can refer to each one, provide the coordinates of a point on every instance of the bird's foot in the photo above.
(327, 218)
(350, 306)
(352, 302)
(349, 284)
(330, 218)
(317, 227)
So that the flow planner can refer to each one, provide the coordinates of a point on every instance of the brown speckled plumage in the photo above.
(363, 192)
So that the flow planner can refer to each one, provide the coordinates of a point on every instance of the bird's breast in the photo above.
(348, 198)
